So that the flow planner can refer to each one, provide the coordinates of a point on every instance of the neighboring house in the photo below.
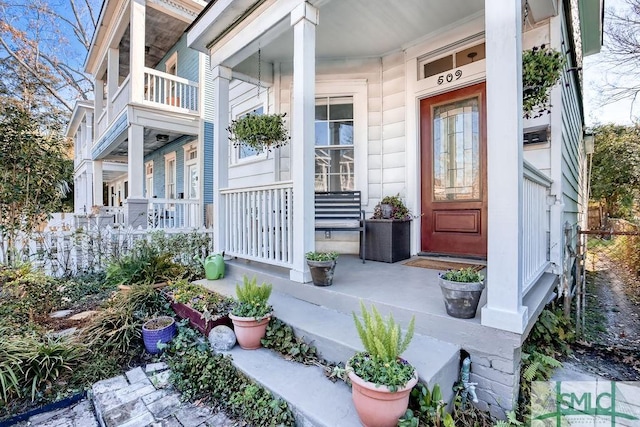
(368, 87)
(140, 147)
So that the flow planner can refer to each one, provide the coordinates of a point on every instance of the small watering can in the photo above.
(213, 266)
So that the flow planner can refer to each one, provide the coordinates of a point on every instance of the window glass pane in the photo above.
(341, 133)
(321, 109)
(469, 55)
(334, 169)
(246, 151)
(341, 111)
(456, 153)
(322, 133)
(438, 66)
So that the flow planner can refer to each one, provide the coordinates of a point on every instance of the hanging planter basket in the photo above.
(259, 131)
(541, 70)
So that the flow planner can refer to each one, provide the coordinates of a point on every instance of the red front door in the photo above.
(453, 161)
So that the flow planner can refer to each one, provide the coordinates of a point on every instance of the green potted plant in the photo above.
(381, 380)
(388, 231)
(259, 131)
(322, 266)
(461, 290)
(252, 313)
(541, 70)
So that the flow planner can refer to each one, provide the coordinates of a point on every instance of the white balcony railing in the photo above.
(259, 223)
(535, 253)
(169, 90)
(120, 99)
(174, 213)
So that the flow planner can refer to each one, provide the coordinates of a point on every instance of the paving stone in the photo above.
(112, 384)
(155, 367)
(113, 399)
(123, 414)
(143, 420)
(167, 422)
(60, 314)
(161, 379)
(220, 420)
(191, 415)
(158, 394)
(137, 375)
(83, 315)
(164, 407)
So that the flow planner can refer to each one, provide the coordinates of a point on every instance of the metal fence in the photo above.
(610, 255)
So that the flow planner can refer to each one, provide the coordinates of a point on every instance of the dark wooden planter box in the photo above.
(388, 240)
(195, 318)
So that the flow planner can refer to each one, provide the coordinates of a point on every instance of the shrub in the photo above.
(321, 256)
(464, 275)
(144, 265)
(198, 373)
(398, 209)
(252, 299)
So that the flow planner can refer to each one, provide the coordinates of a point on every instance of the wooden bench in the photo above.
(341, 211)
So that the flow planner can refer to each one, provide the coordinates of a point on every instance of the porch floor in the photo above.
(402, 290)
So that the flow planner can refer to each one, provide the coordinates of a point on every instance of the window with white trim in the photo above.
(334, 145)
(170, 175)
(149, 179)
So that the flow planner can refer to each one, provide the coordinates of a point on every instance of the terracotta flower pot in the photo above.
(377, 406)
(250, 331)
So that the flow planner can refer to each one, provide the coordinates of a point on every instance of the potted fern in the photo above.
(381, 380)
(461, 290)
(259, 131)
(252, 313)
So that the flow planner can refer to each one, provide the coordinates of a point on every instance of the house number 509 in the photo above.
(450, 77)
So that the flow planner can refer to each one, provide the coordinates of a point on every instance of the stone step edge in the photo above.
(305, 388)
(338, 344)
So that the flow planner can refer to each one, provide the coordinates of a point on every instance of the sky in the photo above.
(595, 74)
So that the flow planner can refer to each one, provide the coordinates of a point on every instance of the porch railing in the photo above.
(174, 213)
(535, 253)
(169, 90)
(258, 221)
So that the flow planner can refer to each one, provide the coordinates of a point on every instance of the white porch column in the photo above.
(113, 65)
(137, 50)
(136, 204)
(98, 89)
(304, 19)
(97, 184)
(503, 32)
(221, 78)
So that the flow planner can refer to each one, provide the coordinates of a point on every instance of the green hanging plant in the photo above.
(259, 131)
(541, 70)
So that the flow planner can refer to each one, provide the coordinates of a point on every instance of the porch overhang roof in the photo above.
(80, 109)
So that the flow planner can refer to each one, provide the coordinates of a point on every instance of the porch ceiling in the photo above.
(152, 142)
(372, 28)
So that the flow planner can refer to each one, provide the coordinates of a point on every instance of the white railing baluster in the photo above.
(259, 220)
(171, 91)
(535, 260)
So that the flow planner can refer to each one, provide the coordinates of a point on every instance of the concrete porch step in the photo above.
(333, 333)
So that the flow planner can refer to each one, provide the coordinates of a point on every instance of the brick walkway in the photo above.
(140, 397)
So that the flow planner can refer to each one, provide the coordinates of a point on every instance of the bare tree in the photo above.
(43, 45)
(621, 52)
